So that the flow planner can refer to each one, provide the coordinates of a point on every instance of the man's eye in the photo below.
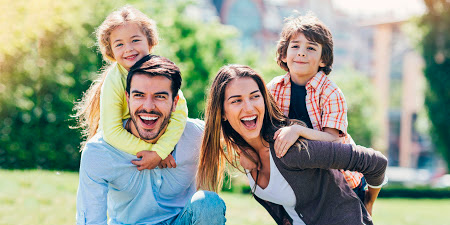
(311, 48)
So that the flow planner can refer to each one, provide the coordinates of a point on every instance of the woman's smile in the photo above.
(244, 107)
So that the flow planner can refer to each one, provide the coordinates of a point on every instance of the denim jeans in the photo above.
(361, 189)
(205, 207)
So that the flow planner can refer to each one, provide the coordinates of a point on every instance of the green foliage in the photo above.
(435, 47)
(199, 48)
(49, 59)
(45, 63)
(358, 92)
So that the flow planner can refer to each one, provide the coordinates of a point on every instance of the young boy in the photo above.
(305, 51)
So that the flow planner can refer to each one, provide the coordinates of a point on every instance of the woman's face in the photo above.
(244, 108)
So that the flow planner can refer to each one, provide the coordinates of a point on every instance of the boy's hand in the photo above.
(168, 162)
(149, 160)
(284, 138)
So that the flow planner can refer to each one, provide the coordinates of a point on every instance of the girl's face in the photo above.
(244, 108)
(129, 44)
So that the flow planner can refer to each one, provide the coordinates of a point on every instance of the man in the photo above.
(111, 184)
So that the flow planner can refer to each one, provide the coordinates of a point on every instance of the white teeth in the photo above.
(149, 117)
(249, 118)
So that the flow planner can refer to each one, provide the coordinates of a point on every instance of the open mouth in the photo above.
(149, 120)
(131, 57)
(249, 122)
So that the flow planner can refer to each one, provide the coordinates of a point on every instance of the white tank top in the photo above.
(278, 191)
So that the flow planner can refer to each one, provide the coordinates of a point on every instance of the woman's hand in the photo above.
(284, 138)
(369, 199)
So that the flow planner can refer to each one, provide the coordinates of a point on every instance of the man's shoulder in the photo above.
(194, 126)
(96, 148)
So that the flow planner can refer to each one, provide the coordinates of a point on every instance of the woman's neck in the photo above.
(259, 144)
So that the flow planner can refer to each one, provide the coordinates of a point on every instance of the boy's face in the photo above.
(303, 58)
(128, 44)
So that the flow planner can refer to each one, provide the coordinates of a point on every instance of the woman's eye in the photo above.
(118, 45)
(311, 48)
(256, 96)
(235, 101)
(136, 40)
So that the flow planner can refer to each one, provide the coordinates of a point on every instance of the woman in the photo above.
(304, 186)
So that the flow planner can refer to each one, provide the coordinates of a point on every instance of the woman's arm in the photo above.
(331, 155)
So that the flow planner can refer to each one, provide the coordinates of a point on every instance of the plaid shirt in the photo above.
(326, 108)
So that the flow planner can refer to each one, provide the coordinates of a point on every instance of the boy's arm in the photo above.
(287, 136)
(334, 114)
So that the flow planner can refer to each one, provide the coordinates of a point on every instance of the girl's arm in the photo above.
(113, 109)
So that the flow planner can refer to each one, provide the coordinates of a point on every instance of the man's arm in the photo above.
(91, 194)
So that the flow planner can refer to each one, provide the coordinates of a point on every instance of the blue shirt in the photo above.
(109, 182)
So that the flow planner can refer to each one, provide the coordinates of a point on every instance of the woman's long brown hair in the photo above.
(214, 152)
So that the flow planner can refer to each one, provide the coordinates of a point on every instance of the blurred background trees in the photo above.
(435, 46)
(48, 58)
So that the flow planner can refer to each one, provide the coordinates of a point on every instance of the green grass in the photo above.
(49, 197)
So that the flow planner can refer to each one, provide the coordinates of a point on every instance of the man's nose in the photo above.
(149, 104)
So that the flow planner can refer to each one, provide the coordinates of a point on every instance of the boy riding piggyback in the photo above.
(305, 51)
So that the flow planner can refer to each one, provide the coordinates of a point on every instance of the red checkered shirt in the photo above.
(326, 107)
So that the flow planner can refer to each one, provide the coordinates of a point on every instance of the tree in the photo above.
(435, 46)
(49, 59)
(358, 92)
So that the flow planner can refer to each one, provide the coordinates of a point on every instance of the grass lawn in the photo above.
(49, 197)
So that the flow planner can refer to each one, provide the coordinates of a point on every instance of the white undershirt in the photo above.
(278, 191)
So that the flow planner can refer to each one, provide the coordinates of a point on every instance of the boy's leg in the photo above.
(205, 207)
(361, 189)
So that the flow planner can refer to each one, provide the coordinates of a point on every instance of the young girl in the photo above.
(124, 38)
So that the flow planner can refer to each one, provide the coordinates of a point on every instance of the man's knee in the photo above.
(207, 200)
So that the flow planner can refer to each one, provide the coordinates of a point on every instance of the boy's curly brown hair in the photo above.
(314, 30)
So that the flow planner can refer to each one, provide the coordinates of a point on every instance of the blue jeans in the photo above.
(361, 189)
(205, 207)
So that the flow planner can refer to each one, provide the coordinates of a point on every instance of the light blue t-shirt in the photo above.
(110, 183)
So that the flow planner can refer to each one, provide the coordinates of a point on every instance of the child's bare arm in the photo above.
(287, 136)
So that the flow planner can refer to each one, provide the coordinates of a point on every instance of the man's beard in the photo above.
(148, 135)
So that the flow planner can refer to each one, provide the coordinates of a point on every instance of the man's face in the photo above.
(150, 104)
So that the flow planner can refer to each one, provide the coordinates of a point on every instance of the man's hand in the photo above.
(284, 138)
(168, 162)
(149, 160)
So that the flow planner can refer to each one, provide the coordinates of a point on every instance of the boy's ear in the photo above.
(322, 64)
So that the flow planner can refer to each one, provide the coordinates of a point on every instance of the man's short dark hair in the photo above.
(154, 65)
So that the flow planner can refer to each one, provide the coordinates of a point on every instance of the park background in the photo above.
(391, 61)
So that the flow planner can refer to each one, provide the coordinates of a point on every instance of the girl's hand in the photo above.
(168, 162)
(284, 138)
(149, 160)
